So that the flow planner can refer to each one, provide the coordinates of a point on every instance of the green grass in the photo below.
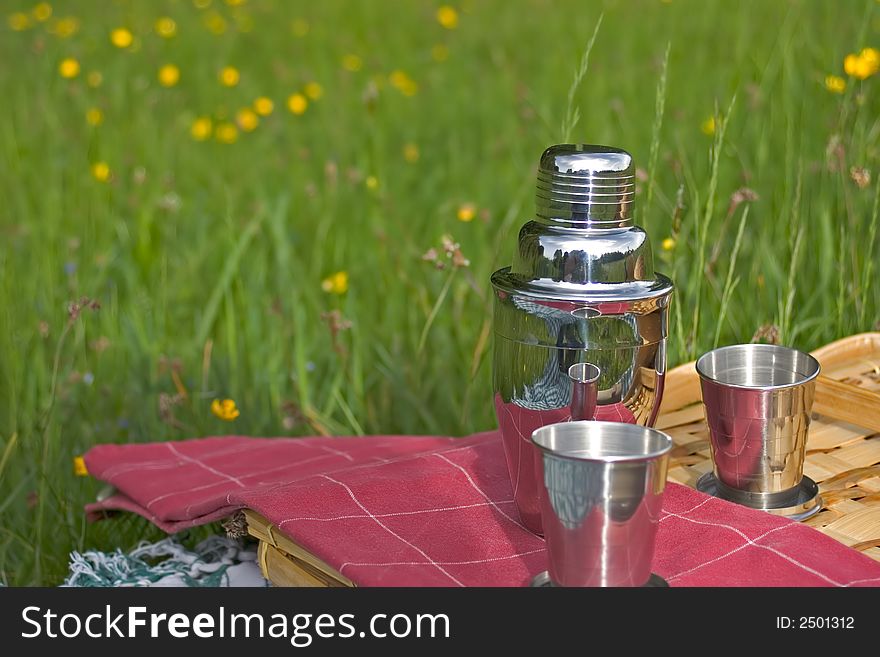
(207, 258)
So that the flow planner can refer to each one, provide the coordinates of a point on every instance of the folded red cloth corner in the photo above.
(433, 511)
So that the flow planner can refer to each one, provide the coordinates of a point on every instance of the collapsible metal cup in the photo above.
(601, 490)
(758, 399)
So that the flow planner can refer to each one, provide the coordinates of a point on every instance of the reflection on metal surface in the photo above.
(798, 503)
(584, 390)
(581, 291)
(543, 580)
(758, 400)
(601, 490)
(533, 389)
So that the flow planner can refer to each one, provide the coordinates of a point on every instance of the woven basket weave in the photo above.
(843, 458)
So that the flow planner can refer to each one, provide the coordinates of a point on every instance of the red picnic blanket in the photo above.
(432, 511)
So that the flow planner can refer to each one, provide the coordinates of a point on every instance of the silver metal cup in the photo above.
(758, 399)
(601, 490)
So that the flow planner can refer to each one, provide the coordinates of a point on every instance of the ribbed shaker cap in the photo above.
(586, 184)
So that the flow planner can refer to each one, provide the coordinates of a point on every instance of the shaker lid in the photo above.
(583, 243)
(587, 184)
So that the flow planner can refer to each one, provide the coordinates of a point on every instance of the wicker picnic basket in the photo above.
(843, 448)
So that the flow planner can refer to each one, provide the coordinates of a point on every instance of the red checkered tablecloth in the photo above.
(434, 511)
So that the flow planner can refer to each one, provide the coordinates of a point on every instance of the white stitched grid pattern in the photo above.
(438, 511)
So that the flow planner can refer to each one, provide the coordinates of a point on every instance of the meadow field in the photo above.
(208, 200)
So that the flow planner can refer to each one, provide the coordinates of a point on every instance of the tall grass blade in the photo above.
(868, 267)
(572, 112)
(729, 282)
(221, 287)
(659, 111)
(721, 123)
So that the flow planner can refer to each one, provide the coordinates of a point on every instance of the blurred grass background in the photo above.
(280, 263)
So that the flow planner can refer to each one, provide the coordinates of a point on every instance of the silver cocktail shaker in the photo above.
(580, 316)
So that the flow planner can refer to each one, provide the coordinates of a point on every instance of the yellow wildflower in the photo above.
(169, 75)
(313, 90)
(439, 52)
(860, 68)
(299, 27)
(297, 103)
(410, 88)
(121, 37)
(336, 283)
(352, 63)
(201, 128)
(467, 212)
(870, 59)
(863, 69)
(229, 76)
(668, 244)
(835, 84)
(18, 21)
(263, 106)
(68, 68)
(447, 17)
(225, 409)
(65, 27)
(247, 119)
(862, 65)
(94, 79)
(79, 467)
(235, 3)
(101, 171)
(708, 126)
(94, 116)
(43, 11)
(215, 23)
(226, 133)
(403, 83)
(372, 182)
(411, 153)
(166, 27)
(398, 78)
